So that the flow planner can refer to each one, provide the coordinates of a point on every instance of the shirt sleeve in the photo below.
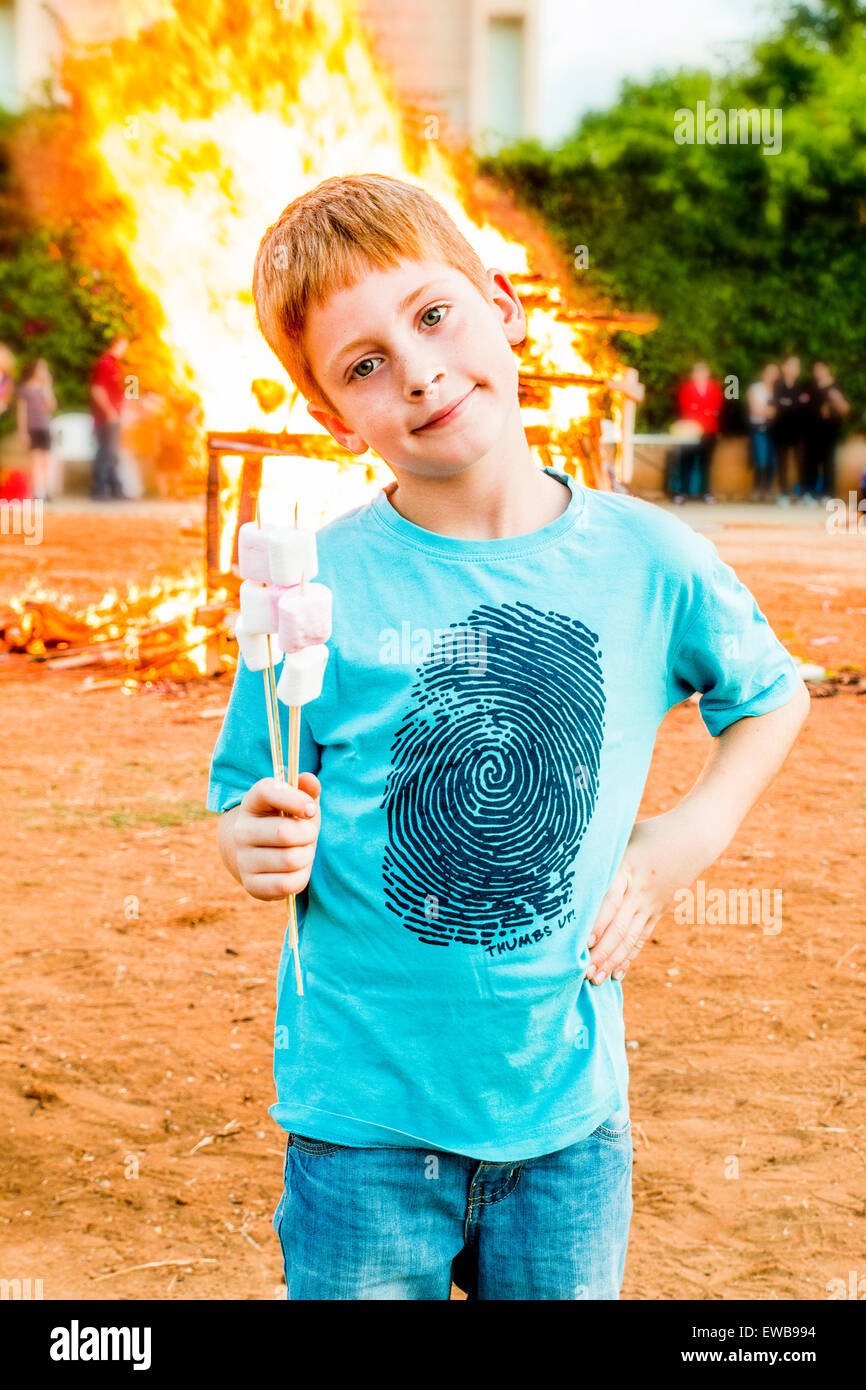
(242, 754)
(728, 652)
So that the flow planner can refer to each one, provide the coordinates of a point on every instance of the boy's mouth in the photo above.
(445, 415)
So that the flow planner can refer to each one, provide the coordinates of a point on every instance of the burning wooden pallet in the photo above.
(125, 641)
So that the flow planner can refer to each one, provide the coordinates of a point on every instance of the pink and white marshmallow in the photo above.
(253, 552)
(291, 554)
(302, 674)
(304, 616)
(254, 647)
(259, 605)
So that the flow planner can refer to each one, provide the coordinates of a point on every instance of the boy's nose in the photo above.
(426, 389)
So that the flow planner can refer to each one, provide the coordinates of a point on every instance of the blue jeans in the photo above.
(105, 482)
(399, 1223)
(763, 454)
(690, 468)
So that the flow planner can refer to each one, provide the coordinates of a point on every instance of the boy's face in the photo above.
(406, 343)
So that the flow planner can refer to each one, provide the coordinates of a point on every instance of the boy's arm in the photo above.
(743, 761)
(753, 703)
(668, 852)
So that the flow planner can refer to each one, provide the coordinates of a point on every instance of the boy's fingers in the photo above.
(272, 886)
(309, 782)
(607, 941)
(269, 795)
(603, 950)
(611, 901)
(621, 951)
(274, 832)
(263, 862)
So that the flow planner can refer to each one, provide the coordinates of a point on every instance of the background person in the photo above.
(36, 401)
(700, 400)
(106, 404)
(791, 399)
(762, 449)
(828, 407)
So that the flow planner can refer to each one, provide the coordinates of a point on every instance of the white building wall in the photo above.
(438, 53)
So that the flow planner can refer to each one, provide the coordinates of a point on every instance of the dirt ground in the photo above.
(137, 982)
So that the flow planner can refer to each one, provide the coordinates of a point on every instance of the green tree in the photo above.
(745, 255)
(52, 303)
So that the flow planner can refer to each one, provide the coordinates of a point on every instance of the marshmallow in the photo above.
(304, 618)
(301, 677)
(254, 647)
(253, 552)
(291, 554)
(259, 606)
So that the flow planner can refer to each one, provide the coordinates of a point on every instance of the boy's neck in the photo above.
(503, 494)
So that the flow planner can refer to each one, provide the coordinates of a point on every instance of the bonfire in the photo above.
(182, 141)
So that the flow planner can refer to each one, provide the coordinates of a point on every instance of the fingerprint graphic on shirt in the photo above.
(494, 776)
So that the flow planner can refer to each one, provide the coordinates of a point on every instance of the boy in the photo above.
(472, 882)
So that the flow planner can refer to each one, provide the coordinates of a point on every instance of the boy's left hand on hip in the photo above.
(660, 858)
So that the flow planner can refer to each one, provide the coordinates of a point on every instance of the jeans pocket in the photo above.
(616, 1126)
(314, 1146)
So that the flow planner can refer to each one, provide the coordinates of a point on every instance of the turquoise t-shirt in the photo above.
(483, 738)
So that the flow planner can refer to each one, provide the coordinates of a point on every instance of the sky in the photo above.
(588, 46)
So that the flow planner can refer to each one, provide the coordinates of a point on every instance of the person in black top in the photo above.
(827, 409)
(791, 400)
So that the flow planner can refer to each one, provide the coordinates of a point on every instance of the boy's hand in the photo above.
(663, 854)
(275, 853)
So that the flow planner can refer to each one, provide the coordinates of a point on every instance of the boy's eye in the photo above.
(366, 366)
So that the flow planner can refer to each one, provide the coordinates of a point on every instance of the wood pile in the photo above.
(125, 639)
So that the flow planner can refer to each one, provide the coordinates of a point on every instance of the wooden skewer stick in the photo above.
(270, 723)
(270, 695)
(279, 767)
(273, 712)
(294, 759)
(294, 742)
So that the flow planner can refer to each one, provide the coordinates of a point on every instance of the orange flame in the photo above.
(184, 138)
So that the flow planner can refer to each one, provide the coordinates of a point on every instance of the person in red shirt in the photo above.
(700, 400)
(106, 404)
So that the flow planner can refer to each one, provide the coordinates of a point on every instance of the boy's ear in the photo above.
(508, 302)
(335, 427)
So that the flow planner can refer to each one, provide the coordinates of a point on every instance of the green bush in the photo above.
(744, 256)
(52, 304)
